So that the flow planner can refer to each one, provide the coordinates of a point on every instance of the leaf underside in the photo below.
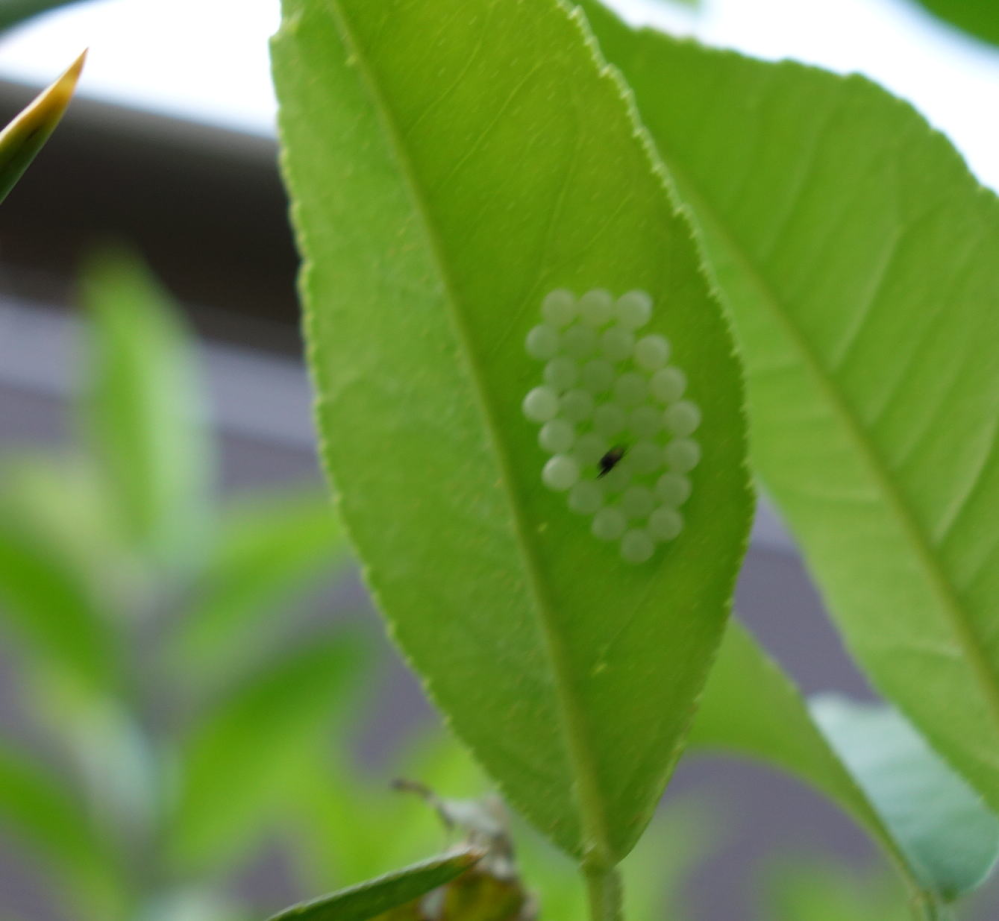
(941, 824)
(863, 757)
(441, 187)
(857, 255)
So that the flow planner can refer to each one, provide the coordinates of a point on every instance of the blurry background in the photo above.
(209, 726)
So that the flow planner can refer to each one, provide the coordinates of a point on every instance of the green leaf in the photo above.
(61, 500)
(36, 808)
(752, 708)
(941, 838)
(939, 822)
(821, 890)
(48, 604)
(251, 746)
(21, 140)
(15, 12)
(141, 412)
(266, 549)
(976, 17)
(857, 256)
(441, 188)
(359, 903)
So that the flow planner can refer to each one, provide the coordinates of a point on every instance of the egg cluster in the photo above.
(613, 418)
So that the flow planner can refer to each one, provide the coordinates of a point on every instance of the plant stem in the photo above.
(603, 889)
(928, 908)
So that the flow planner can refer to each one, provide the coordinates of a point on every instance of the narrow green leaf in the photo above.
(141, 412)
(37, 809)
(976, 17)
(939, 822)
(50, 607)
(251, 746)
(21, 140)
(368, 900)
(442, 187)
(857, 256)
(939, 836)
(266, 549)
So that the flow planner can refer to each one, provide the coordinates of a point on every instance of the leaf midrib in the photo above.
(940, 583)
(593, 831)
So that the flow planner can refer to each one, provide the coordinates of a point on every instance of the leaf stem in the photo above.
(603, 889)
(929, 908)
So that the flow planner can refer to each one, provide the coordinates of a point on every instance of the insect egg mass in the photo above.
(614, 418)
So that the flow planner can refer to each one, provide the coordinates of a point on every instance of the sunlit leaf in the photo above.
(442, 188)
(21, 140)
(371, 899)
(857, 255)
(976, 17)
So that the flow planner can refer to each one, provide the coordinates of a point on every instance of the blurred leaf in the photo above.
(192, 905)
(858, 257)
(338, 830)
(36, 808)
(267, 549)
(21, 140)
(15, 12)
(368, 900)
(938, 821)
(825, 891)
(48, 605)
(680, 837)
(752, 708)
(941, 838)
(979, 18)
(341, 809)
(569, 673)
(141, 412)
(118, 763)
(252, 746)
(66, 506)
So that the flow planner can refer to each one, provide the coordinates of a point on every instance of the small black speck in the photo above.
(610, 460)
